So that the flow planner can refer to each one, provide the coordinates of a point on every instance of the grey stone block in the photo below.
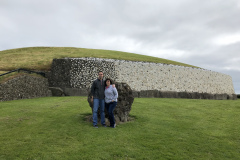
(56, 91)
(143, 94)
(168, 94)
(234, 97)
(221, 96)
(75, 92)
(196, 95)
(184, 95)
(135, 94)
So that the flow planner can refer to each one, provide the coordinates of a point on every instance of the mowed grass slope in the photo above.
(55, 128)
(40, 58)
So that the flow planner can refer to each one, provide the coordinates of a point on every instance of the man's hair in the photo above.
(111, 82)
(100, 71)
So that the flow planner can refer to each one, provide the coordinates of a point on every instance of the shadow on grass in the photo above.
(87, 117)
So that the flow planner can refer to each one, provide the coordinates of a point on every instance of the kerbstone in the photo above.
(56, 91)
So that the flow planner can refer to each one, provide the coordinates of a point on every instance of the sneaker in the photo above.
(104, 125)
(95, 126)
(113, 126)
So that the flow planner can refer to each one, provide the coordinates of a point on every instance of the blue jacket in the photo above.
(111, 94)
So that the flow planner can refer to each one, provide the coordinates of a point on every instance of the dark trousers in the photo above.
(110, 107)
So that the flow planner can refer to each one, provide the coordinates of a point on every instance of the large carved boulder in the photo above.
(124, 104)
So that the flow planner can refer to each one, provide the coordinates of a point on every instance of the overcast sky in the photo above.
(196, 32)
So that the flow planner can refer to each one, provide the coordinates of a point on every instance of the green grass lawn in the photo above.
(40, 58)
(55, 128)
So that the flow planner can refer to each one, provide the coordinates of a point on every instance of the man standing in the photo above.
(97, 91)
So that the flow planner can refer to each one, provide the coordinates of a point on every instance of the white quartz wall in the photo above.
(155, 76)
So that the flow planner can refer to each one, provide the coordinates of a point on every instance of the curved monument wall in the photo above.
(78, 74)
(155, 76)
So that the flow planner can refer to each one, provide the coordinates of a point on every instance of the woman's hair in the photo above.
(108, 79)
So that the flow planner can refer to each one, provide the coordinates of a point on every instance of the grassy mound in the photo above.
(40, 58)
(56, 128)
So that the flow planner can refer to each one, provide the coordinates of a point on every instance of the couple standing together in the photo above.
(103, 94)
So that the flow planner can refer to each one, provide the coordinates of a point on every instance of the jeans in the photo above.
(110, 107)
(96, 104)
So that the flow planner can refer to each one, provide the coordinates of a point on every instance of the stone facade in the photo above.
(24, 87)
(79, 73)
(155, 76)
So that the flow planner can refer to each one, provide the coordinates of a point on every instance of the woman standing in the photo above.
(111, 96)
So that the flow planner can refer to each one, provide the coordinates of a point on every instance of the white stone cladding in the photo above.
(141, 75)
(156, 76)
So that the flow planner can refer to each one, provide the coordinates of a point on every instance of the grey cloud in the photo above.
(178, 30)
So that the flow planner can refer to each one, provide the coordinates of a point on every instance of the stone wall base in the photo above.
(75, 92)
(159, 94)
(188, 95)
